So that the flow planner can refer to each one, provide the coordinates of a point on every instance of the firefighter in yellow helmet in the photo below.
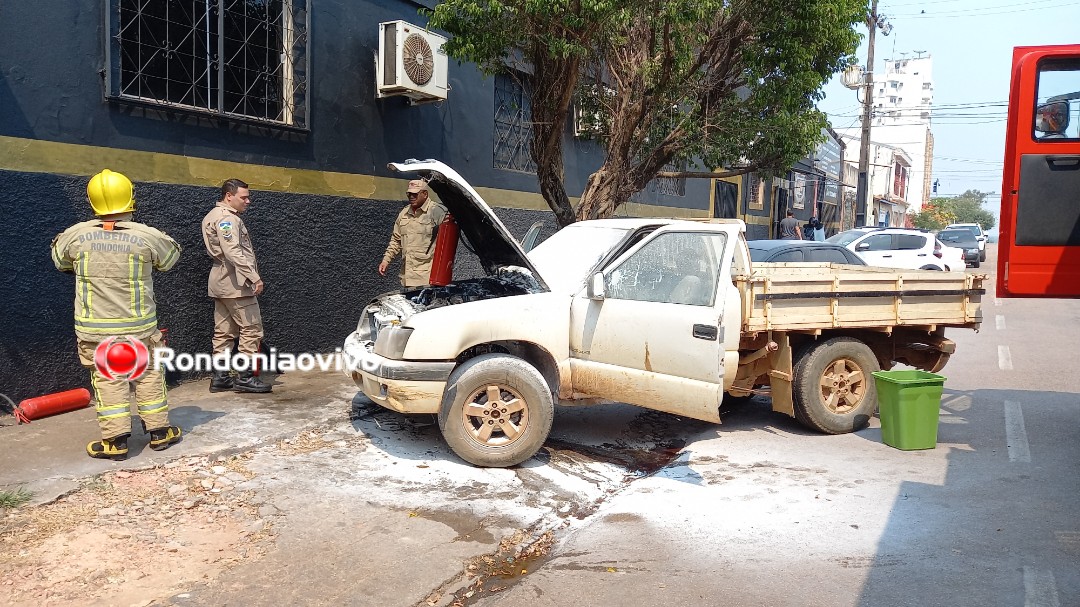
(112, 258)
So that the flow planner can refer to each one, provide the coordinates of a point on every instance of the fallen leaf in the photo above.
(412, 514)
(612, 570)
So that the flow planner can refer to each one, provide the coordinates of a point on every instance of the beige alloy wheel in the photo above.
(497, 410)
(834, 387)
(843, 386)
(495, 416)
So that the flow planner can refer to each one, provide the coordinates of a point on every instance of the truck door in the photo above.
(1039, 250)
(656, 338)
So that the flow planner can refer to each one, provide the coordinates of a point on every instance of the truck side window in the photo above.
(674, 267)
(1057, 100)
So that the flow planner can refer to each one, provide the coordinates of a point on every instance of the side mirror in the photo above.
(595, 290)
(862, 246)
(1052, 118)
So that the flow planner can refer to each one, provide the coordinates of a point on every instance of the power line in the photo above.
(978, 13)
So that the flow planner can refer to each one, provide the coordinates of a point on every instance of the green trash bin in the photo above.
(909, 403)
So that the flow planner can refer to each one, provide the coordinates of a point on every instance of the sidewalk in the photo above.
(48, 456)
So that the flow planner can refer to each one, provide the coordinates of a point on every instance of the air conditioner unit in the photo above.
(410, 63)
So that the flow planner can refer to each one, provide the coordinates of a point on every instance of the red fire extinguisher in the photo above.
(442, 261)
(51, 404)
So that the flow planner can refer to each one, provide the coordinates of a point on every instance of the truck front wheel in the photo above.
(834, 388)
(497, 411)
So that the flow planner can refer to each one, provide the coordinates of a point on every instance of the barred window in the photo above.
(244, 59)
(513, 126)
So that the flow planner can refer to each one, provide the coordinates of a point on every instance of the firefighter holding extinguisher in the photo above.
(414, 236)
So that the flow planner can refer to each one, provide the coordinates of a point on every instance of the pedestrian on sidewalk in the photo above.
(235, 285)
(789, 228)
(112, 258)
(414, 236)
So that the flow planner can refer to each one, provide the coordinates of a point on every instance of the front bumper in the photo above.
(406, 386)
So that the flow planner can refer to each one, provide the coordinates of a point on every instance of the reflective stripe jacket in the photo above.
(414, 238)
(112, 263)
(234, 271)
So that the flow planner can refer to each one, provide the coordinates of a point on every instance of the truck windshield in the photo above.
(564, 259)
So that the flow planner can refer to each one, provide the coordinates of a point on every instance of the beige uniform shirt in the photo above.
(234, 271)
(414, 238)
(114, 289)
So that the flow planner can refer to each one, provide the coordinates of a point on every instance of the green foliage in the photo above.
(965, 208)
(704, 83)
(14, 498)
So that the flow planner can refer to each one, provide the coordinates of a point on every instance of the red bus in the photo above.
(1039, 244)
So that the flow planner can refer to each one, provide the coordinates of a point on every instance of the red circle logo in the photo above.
(121, 358)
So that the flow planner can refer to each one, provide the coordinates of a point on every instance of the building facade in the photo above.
(180, 96)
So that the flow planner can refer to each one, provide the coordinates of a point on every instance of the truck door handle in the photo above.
(708, 332)
(922, 254)
(1061, 162)
(886, 255)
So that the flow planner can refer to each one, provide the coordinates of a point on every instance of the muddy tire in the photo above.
(834, 389)
(502, 435)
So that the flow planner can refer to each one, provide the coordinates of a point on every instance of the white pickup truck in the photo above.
(661, 313)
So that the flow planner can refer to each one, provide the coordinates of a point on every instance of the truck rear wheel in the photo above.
(834, 388)
(497, 411)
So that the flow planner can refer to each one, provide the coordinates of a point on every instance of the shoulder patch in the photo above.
(226, 227)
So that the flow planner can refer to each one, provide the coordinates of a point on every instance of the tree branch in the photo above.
(714, 175)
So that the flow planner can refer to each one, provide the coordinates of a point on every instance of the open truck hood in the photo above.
(493, 244)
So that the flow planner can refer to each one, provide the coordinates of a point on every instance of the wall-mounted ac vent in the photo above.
(410, 63)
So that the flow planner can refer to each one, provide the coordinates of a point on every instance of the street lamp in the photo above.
(855, 78)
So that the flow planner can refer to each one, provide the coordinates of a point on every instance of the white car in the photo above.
(901, 248)
(975, 229)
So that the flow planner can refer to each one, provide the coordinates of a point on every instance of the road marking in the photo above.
(1004, 358)
(1015, 435)
(1000, 320)
(1040, 588)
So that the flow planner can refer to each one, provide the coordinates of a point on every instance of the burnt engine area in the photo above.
(489, 287)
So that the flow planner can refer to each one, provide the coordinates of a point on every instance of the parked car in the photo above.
(802, 250)
(899, 248)
(963, 239)
(977, 231)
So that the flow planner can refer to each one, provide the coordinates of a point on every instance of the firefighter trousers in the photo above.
(112, 397)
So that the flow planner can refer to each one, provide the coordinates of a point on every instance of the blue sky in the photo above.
(971, 44)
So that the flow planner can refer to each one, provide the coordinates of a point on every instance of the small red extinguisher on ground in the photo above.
(442, 261)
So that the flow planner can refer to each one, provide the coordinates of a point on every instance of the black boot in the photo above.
(162, 438)
(246, 381)
(221, 382)
(109, 448)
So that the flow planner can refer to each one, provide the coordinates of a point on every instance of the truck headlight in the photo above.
(392, 340)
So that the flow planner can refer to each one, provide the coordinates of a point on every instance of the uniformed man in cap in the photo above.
(414, 236)
(234, 284)
(112, 258)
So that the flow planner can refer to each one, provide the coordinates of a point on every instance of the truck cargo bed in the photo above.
(809, 296)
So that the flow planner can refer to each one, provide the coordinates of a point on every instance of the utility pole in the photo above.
(863, 197)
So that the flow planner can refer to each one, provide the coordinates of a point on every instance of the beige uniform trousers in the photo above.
(113, 396)
(237, 317)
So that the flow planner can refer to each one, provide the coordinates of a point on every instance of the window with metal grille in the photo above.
(245, 59)
(513, 126)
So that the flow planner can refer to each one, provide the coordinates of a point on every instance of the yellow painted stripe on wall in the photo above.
(37, 156)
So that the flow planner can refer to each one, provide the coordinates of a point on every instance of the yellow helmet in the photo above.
(110, 193)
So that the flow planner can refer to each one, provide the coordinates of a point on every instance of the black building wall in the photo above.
(317, 254)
